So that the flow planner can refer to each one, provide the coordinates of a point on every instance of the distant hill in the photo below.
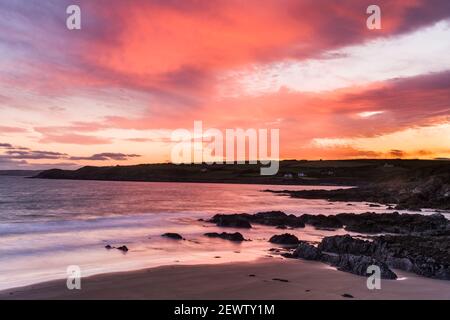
(301, 172)
(20, 173)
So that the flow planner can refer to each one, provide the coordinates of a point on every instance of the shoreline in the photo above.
(257, 181)
(262, 279)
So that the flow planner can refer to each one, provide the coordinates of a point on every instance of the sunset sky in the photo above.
(112, 92)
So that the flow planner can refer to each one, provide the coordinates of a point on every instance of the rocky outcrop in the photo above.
(409, 189)
(277, 218)
(368, 222)
(346, 245)
(271, 218)
(371, 222)
(424, 254)
(306, 251)
(123, 248)
(174, 236)
(285, 238)
(237, 237)
(359, 265)
(232, 220)
(321, 221)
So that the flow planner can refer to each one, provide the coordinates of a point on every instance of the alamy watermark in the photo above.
(73, 277)
(231, 146)
(73, 21)
(373, 22)
(374, 280)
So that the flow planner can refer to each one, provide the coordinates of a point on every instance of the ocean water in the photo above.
(48, 225)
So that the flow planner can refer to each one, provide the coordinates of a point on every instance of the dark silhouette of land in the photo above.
(406, 184)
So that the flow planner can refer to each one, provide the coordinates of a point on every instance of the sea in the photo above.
(48, 225)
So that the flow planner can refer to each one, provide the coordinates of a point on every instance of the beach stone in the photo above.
(285, 238)
(231, 221)
(174, 236)
(238, 237)
(359, 264)
(346, 245)
(123, 248)
(321, 221)
(306, 251)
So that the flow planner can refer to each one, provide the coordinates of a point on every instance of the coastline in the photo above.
(305, 280)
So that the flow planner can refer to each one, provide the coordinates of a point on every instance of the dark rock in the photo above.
(373, 205)
(108, 247)
(413, 188)
(232, 220)
(123, 248)
(281, 280)
(270, 218)
(346, 245)
(371, 222)
(174, 236)
(227, 236)
(306, 251)
(347, 295)
(424, 254)
(321, 221)
(277, 218)
(359, 264)
(284, 239)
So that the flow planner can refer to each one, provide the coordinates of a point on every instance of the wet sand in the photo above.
(266, 278)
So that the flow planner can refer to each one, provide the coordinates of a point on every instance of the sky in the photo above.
(114, 91)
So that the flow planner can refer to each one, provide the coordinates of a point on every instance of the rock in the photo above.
(108, 247)
(281, 280)
(227, 236)
(359, 264)
(270, 218)
(347, 295)
(174, 236)
(277, 218)
(306, 251)
(371, 222)
(410, 188)
(424, 254)
(346, 245)
(123, 248)
(284, 239)
(321, 221)
(232, 221)
(373, 205)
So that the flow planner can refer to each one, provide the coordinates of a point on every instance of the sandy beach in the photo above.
(262, 279)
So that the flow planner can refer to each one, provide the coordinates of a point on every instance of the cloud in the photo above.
(6, 146)
(6, 129)
(107, 156)
(397, 153)
(34, 155)
(70, 135)
(153, 64)
(176, 49)
(72, 138)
